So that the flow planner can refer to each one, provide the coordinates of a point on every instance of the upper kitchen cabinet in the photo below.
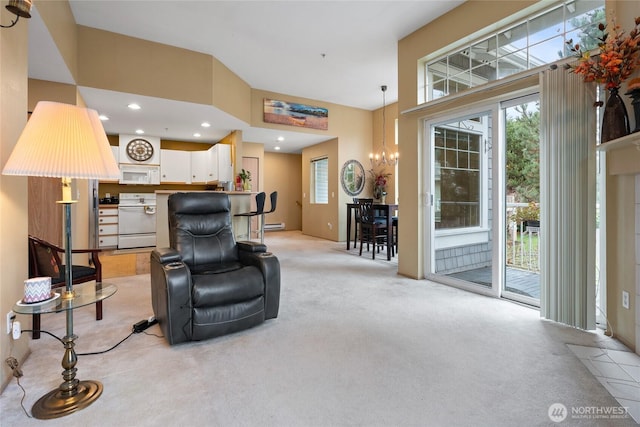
(223, 160)
(203, 168)
(175, 167)
(211, 165)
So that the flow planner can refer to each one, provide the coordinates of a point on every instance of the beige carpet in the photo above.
(355, 344)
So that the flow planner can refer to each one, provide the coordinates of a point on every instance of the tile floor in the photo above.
(618, 371)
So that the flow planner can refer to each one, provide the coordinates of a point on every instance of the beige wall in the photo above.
(621, 256)
(13, 189)
(321, 220)
(620, 225)
(58, 19)
(115, 62)
(284, 175)
(352, 129)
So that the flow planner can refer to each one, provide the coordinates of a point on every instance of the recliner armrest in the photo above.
(165, 255)
(269, 266)
(249, 246)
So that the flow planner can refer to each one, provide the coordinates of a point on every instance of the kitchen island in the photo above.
(240, 202)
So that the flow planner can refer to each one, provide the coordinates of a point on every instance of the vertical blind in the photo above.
(568, 182)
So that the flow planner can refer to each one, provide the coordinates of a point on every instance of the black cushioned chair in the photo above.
(206, 284)
(44, 260)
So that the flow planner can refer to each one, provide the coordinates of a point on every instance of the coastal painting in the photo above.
(293, 114)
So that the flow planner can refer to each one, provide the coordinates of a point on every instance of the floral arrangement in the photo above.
(245, 175)
(379, 182)
(616, 60)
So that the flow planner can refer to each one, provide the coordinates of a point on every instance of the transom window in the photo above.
(538, 40)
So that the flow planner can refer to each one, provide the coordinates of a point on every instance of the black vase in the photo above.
(615, 121)
(635, 96)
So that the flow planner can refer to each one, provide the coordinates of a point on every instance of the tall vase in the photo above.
(615, 121)
(635, 96)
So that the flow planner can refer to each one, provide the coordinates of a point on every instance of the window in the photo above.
(320, 180)
(538, 40)
(457, 178)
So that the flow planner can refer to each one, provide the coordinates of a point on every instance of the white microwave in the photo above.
(139, 174)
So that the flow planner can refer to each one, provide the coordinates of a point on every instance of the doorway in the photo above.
(521, 130)
(479, 183)
(461, 186)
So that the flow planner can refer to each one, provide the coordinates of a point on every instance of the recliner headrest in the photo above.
(199, 203)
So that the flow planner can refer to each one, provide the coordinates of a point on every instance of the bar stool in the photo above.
(260, 198)
(274, 199)
(394, 227)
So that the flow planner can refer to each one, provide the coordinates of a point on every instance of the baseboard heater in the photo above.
(271, 227)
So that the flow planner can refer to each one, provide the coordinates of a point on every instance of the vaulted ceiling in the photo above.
(333, 51)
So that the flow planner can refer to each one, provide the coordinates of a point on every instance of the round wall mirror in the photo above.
(352, 177)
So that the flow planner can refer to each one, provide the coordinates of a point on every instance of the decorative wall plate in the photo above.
(139, 150)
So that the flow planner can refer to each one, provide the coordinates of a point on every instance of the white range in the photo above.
(136, 220)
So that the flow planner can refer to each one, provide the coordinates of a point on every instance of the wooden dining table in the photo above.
(382, 210)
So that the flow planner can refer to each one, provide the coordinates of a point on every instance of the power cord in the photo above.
(93, 353)
(12, 362)
(137, 328)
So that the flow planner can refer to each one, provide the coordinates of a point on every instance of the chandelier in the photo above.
(384, 157)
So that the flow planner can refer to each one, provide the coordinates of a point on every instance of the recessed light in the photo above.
(276, 148)
(103, 117)
(205, 125)
(139, 131)
(134, 106)
(280, 138)
(197, 135)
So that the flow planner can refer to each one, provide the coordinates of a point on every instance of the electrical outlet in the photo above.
(10, 316)
(625, 299)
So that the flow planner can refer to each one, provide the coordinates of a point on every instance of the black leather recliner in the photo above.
(207, 284)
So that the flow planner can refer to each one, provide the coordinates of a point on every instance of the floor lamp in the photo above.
(64, 141)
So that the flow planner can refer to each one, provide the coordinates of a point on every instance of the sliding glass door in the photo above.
(461, 188)
(483, 187)
(521, 130)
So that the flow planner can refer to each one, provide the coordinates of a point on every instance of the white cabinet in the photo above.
(175, 167)
(196, 167)
(211, 165)
(107, 227)
(203, 168)
(223, 160)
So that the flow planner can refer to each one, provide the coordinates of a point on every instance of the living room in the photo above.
(354, 125)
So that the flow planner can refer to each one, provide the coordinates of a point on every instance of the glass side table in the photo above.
(73, 394)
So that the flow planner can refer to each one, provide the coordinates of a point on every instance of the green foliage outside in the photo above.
(590, 34)
(523, 155)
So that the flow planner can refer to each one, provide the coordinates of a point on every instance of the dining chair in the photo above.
(372, 230)
(357, 200)
(394, 227)
(44, 260)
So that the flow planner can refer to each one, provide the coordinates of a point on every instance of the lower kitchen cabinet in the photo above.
(108, 227)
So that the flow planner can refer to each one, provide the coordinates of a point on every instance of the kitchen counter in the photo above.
(240, 202)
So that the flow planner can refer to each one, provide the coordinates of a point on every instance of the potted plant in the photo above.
(245, 176)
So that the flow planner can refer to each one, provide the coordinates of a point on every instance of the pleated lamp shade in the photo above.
(63, 141)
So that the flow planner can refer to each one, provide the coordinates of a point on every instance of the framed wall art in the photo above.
(294, 114)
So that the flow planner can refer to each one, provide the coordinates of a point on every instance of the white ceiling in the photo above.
(333, 51)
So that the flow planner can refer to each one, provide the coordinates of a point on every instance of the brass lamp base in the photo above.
(56, 404)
